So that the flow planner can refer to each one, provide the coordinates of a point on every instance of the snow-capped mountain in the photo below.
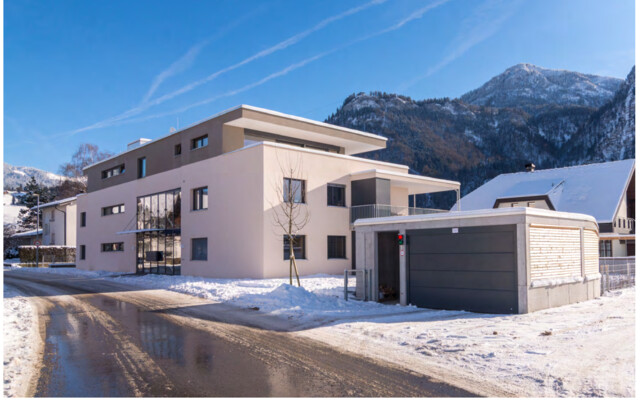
(528, 87)
(16, 176)
(609, 133)
(472, 143)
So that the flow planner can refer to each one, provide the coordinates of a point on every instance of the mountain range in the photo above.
(18, 176)
(552, 118)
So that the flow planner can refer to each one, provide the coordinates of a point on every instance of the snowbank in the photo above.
(585, 349)
(22, 343)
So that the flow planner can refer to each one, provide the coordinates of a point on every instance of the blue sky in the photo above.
(109, 72)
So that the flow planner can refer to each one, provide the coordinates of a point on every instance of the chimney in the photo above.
(137, 143)
(530, 167)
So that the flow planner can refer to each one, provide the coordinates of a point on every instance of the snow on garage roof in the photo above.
(594, 189)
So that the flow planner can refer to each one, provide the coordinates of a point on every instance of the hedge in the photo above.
(48, 254)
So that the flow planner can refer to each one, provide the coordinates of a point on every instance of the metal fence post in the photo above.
(628, 275)
(346, 284)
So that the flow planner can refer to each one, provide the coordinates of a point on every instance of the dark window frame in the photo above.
(206, 250)
(303, 191)
(112, 247)
(334, 248)
(142, 167)
(83, 219)
(332, 199)
(199, 142)
(108, 210)
(114, 171)
(177, 149)
(301, 253)
(83, 252)
(198, 198)
(606, 248)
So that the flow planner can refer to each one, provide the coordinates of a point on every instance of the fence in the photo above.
(617, 272)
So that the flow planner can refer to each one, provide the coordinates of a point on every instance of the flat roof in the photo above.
(507, 211)
(416, 184)
(354, 141)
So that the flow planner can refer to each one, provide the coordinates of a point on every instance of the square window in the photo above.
(336, 195)
(177, 150)
(294, 190)
(199, 249)
(201, 198)
(299, 247)
(337, 247)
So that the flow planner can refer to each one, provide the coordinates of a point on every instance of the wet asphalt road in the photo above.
(107, 339)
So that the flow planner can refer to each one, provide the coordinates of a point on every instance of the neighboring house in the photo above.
(58, 222)
(605, 191)
(27, 237)
(201, 201)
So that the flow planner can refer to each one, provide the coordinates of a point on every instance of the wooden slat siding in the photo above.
(591, 253)
(554, 252)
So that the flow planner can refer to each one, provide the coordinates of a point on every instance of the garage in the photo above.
(504, 261)
(473, 269)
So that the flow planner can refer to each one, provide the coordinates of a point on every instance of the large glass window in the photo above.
(199, 249)
(299, 247)
(158, 244)
(293, 190)
(336, 195)
(201, 198)
(200, 142)
(337, 247)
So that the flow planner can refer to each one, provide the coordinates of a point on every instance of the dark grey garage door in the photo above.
(472, 270)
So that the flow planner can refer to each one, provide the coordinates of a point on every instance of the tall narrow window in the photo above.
(201, 198)
(293, 190)
(142, 167)
(337, 247)
(199, 249)
(299, 247)
(83, 219)
(336, 195)
(83, 252)
(200, 142)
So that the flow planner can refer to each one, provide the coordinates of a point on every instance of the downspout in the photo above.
(65, 223)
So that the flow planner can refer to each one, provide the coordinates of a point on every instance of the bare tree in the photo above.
(86, 154)
(291, 214)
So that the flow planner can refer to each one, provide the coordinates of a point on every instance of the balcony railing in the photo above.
(384, 210)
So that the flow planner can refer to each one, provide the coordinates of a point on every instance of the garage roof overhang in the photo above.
(264, 120)
(416, 184)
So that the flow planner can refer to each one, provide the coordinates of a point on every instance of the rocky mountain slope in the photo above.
(486, 133)
(15, 176)
(529, 87)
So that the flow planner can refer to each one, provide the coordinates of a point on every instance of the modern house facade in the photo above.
(203, 200)
(605, 191)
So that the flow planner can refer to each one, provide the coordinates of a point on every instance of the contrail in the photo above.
(279, 46)
(475, 30)
(415, 15)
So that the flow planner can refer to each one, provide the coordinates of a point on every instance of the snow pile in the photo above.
(22, 342)
(320, 298)
(585, 349)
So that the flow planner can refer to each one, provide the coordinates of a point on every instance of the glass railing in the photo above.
(384, 210)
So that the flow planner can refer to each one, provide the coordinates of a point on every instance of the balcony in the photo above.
(624, 225)
(383, 210)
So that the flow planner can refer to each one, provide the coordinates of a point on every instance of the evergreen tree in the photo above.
(27, 218)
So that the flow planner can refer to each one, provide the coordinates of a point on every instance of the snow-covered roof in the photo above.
(594, 189)
(55, 203)
(26, 233)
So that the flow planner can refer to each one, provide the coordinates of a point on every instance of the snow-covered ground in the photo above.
(22, 343)
(585, 349)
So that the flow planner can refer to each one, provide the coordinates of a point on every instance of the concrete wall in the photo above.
(317, 169)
